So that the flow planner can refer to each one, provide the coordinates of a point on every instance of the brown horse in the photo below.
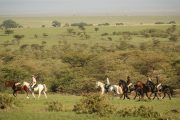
(141, 89)
(17, 88)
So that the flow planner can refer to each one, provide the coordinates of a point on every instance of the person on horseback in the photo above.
(158, 85)
(107, 84)
(33, 82)
(149, 84)
(129, 82)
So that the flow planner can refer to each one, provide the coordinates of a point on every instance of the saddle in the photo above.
(106, 87)
(32, 88)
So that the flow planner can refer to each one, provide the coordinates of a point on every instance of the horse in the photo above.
(16, 86)
(151, 87)
(111, 88)
(40, 88)
(124, 86)
(140, 88)
(165, 89)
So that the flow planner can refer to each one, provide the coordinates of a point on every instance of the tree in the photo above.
(8, 32)
(56, 23)
(9, 24)
(81, 27)
(96, 29)
(173, 38)
(70, 30)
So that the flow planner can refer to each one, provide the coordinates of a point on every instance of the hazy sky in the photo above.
(89, 7)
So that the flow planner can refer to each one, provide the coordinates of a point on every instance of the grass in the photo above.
(60, 34)
(129, 20)
(36, 109)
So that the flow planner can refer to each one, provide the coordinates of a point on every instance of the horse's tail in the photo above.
(45, 88)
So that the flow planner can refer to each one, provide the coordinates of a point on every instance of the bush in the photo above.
(8, 31)
(173, 38)
(45, 34)
(18, 36)
(159, 22)
(94, 104)
(54, 106)
(104, 34)
(142, 111)
(7, 102)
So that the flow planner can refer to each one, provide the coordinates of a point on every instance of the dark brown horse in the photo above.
(141, 89)
(17, 88)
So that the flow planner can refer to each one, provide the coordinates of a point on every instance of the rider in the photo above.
(150, 83)
(129, 83)
(149, 79)
(107, 84)
(158, 85)
(33, 82)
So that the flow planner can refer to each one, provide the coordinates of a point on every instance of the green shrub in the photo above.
(142, 111)
(94, 104)
(7, 101)
(54, 106)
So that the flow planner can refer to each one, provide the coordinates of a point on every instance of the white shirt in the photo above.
(107, 81)
(34, 79)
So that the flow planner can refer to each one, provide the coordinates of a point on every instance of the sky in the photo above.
(89, 7)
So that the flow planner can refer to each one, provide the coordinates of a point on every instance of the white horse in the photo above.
(40, 88)
(112, 88)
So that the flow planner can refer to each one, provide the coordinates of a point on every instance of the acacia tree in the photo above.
(56, 23)
(9, 24)
(96, 29)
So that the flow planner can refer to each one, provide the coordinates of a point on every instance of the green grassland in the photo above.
(60, 34)
(73, 61)
(128, 20)
(36, 109)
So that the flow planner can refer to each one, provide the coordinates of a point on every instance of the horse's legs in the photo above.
(169, 95)
(27, 95)
(164, 95)
(126, 93)
(14, 93)
(120, 96)
(157, 95)
(102, 91)
(142, 94)
(33, 95)
(148, 96)
(45, 94)
(39, 94)
(123, 96)
(135, 95)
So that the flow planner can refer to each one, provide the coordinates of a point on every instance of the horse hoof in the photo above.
(27, 97)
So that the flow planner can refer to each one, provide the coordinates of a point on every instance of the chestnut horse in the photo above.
(17, 88)
(141, 89)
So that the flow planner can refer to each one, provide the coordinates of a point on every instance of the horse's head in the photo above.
(97, 84)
